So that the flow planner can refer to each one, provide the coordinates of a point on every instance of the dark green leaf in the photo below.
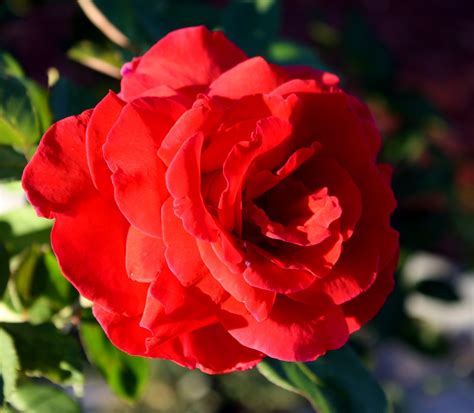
(253, 25)
(334, 383)
(9, 366)
(42, 398)
(4, 269)
(12, 163)
(45, 351)
(68, 99)
(126, 375)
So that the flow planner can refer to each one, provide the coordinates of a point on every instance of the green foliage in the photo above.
(24, 110)
(44, 351)
(9, 366)
(4, 269)
(40, 398)
(12, 163)
(126, 375)
(334, 383)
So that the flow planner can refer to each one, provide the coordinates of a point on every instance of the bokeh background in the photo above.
(411, 61)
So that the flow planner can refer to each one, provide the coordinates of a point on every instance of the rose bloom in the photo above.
(220, 209)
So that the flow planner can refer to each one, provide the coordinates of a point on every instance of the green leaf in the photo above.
(44, 351)
(4, 269)
(252, 24)
(335, 383)
(12, 163)
(39, 99)
(126, 375)
(291, 53)
(102, 58)
(9, 366)
(19, 125)
(9, 66)
(41, 398)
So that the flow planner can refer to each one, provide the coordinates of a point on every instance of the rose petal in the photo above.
(183, 181)
(182, 254)
(364, 307)
(292, 332)
(130, 152)
(90, 247)
(258, 302)
(57, 175)
(124, 332)
(269, 141)
(103, 117)
(145, 256)
(186, 57)
(250, 77)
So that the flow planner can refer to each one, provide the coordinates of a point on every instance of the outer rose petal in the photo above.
(57, 175)
(193, 56)
(250, 77)
(206, 346)
(124, 332)
(145, 256)
(364, 307)
(130, 152)
(292, 332)
(90, 247)
(103, 117)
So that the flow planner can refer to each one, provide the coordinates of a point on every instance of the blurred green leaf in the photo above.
(334, 383)
(39, 99)
(102, 58)
(291, 53)
(40, 285)
(4, 269)
(20, 228)
(9, 366)
(126, 375)
(42, 398)
(252, 24)
(18, 123)
(9, 66)
(44, 351)
(12, 163)
(27, 285)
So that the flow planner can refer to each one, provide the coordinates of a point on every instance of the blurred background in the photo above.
(411, 61)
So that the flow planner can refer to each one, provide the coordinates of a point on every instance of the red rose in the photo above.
(220, 209)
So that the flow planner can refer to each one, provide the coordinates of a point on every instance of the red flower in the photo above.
(220, 209)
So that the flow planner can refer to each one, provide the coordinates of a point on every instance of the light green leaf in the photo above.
(44, 351)
(291, 53)
(41, 398)
(9, 66)
(9, 366)
(126, 375)
(19, 125)
(335, 383)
